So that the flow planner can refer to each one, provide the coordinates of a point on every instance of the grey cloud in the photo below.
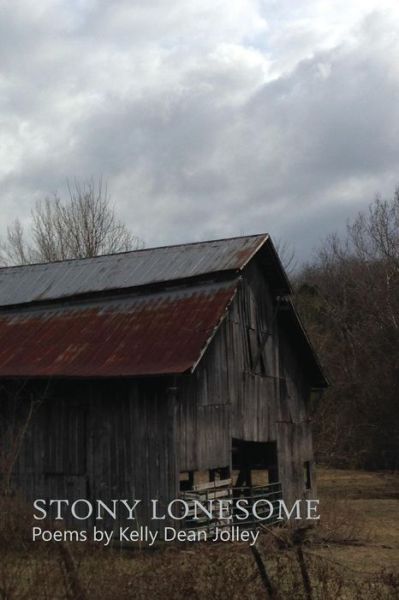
(197, 144)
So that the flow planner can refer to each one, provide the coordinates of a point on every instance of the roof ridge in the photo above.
(136, 251)
(65, 279)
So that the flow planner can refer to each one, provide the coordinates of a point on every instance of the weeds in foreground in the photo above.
(292, 560)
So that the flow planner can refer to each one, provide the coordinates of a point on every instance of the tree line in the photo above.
(348, 297)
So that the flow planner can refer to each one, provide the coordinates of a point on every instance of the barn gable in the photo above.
(255, 382)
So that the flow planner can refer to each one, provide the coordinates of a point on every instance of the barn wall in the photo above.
(237, 393)
(294, 430)
(204, 412)
(99, 440)
(225, 398)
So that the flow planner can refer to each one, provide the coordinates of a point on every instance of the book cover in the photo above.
(199, 300)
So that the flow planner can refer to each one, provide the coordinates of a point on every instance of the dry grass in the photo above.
(338, 483)
(353, 554)
(360, 511)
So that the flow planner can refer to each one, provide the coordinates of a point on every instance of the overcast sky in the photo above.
(208, 118)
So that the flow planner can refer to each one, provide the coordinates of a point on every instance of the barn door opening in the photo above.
(254, 463)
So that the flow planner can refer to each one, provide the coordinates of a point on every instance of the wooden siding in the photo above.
(100, 441)
(254, 389)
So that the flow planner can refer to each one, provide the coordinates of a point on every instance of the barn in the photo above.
(154, 374)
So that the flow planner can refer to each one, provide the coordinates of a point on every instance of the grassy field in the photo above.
(370, 501)
(353, 554)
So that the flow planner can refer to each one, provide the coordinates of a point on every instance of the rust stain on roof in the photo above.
(150, 334)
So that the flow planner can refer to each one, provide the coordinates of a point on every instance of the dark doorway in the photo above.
(254, 463)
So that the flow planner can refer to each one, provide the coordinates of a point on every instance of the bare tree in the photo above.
(287, 256)
(349, 298)
(84, 225)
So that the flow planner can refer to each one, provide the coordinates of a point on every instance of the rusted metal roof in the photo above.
(51, 281)
(156, 333)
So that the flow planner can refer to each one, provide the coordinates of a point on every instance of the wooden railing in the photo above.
(223, 490)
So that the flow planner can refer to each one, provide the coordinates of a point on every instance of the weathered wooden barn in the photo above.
(148, 373)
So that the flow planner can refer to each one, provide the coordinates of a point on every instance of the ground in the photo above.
(353, 554)
(370, 500)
